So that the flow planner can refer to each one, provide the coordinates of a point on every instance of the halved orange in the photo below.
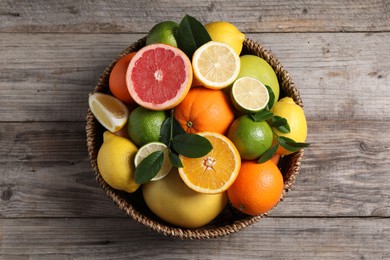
(216, 171)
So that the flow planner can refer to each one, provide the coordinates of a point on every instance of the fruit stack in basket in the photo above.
(195, 125)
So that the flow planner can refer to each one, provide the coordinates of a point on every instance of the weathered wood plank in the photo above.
(140, 16)
(271, 238)
(46, 77)
(46, 172)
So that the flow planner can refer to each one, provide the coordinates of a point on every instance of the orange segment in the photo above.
(214, 172)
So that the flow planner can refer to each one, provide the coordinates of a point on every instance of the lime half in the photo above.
(149, 148)
(249, 95)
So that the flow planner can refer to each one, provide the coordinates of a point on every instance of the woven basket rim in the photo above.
(292, 163)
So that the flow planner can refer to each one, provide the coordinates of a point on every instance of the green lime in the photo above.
(251, 138)
(255, 67)
(144, 125)
(249, 95)
(163, 32)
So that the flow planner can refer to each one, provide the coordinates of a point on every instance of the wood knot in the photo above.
(6, 194)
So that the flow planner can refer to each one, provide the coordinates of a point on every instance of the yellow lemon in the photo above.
(227, 33)
(174, 202)
(115, 162)
(296, 119)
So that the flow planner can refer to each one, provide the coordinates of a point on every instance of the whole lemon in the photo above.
(115, 162)
(296, 119)
(174, 202)
(258, 68)
(227, 33)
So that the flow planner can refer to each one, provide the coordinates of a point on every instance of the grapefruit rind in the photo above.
(154, 73)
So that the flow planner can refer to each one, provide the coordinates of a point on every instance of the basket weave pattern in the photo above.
(230, 220)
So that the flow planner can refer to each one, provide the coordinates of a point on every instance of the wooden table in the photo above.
(51, 55)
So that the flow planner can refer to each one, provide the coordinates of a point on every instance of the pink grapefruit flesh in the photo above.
(159, 76)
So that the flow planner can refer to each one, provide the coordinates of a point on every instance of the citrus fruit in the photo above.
(108, 110)
(258, 68)
(215, 65)
(214, 172)
(257, 188)
(205, 110)
(149, 148)
(296, 119)
(163, 32)
(144, 125)
(115, 161)
(249, 95)
(159, 76)
(172, 201)
(251, 138)
(227, 33)
(117, 79)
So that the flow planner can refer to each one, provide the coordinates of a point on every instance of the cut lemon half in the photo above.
(216, 65)
(216, 171)
(149, 148)
(249, 95)
(108, 110)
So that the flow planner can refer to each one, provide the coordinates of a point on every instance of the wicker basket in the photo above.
(230, 220)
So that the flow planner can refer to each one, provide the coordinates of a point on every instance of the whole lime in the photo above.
(163, 32)
(173, 201)
(115, 162)
(144, 125)
(251, 138)
(256, 67)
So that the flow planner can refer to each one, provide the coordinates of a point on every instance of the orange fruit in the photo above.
(205, 110)
(117, 79)
(159, 76)
(276, 158)
(257, 188)
(214, 172)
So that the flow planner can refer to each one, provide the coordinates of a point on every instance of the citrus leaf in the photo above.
(271, 97)
(191, 145)
(165, 131)
(290, 145)
(267, 155)
(281, 124)
(149, 167)
(175, 160)
(190, 35)
(176, 128)
(262, 116)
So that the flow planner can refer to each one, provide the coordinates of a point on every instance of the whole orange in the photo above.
(117, 80)
(257, 188)
(205, 110)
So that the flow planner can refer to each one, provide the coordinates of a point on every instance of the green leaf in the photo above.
(149, 167)
(176, 128)
(271, 97)
(262, 116)
(290, 144)
(175, 160)
(281, 124)
(165, 131)
(267, 155)
(190, 35)
(191, 145)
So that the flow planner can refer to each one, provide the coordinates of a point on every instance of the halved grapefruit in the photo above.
(159, 76)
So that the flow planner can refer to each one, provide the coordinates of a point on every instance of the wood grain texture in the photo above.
(139, 16)
(46, 77)
(46, 172)
(108, 238)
